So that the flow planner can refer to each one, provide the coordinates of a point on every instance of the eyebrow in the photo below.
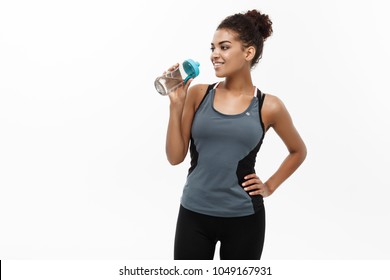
(222, 42)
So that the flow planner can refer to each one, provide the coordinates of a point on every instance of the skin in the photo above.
(232, 61)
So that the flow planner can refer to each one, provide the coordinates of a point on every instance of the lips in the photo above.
(217, 64)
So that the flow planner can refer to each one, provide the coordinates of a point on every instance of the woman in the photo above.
(223, 125)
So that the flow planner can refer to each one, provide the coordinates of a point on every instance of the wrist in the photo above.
(176, 107)
(270, 187)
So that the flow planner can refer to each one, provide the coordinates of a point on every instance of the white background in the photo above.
(83, 173)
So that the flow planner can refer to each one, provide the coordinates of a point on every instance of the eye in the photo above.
(224, 47)
(212, 49)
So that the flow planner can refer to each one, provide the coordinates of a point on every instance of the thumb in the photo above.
(187, 85)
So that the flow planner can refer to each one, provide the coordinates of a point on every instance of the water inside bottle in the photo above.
(168, 82)
(164, 85)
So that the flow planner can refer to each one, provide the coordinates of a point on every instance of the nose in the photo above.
(214, 54)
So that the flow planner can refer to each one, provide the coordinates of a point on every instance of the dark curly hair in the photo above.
(252, 29)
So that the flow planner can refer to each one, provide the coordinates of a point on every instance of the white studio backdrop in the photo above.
(83, 173)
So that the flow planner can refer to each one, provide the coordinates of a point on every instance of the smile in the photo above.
(217, 64)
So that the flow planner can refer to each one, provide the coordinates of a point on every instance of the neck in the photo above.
(238, 85)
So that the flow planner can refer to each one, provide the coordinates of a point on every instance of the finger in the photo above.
(251, 188)
(252, 182)
(250, 176)
(248, 183)
(256, 193)
(173, 67)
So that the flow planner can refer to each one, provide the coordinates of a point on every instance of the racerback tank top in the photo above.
(223, 150)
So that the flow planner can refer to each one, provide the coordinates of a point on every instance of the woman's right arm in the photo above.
(183, 104)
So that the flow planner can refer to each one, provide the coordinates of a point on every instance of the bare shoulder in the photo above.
(198, 89)
(273, 103)
(272, 110)
(278, 117)
(196, 93)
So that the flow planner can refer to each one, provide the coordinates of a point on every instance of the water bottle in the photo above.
(171, 80)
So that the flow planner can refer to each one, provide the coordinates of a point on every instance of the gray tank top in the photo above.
(223, 150)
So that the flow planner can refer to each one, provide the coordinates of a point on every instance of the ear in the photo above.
(250, 53)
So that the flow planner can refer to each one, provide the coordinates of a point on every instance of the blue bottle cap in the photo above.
(191, 68)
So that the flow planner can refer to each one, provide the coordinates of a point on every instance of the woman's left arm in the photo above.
(280, 120)
(275, 115)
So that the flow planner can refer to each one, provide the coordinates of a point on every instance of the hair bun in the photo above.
(261, 21)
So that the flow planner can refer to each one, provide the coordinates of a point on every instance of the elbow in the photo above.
(303, 153)
(175, 156)
(299, 154)
(174, 160)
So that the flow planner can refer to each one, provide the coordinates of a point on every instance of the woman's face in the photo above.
(227, 53)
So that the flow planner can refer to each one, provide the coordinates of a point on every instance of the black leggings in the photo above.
(241, 238)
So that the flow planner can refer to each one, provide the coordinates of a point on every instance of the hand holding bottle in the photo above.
(177, 76)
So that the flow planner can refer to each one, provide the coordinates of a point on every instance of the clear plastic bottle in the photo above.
(171, 80)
